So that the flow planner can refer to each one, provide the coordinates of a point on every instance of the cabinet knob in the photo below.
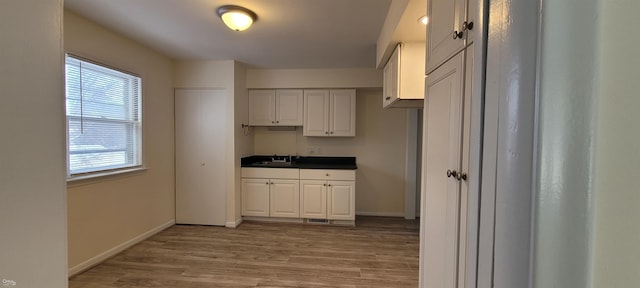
(327, 132)
(387, 98)
(329, 185)
(457, 35)
(327, 174)
(277, 122)
(202, 164)
(273, 122)
(325, 184)
(331, 132)
(452, 173)
(462, 176)
(467, 26)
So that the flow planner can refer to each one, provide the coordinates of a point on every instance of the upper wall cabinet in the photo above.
(404, 77)
(450, 29)
(282, 107)
(329, 113)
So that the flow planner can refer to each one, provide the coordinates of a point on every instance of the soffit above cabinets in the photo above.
(401, 25)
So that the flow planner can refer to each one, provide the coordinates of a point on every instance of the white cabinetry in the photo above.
(327, 194)
(270, 192)
(281, 107)
(447, 113)
(450, 29)
(329, 113)
(200, 175)
(404, 77)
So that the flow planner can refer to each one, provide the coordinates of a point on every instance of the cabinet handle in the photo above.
(457, 34)
(467, 26)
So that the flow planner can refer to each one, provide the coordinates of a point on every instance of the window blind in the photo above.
(104, 121)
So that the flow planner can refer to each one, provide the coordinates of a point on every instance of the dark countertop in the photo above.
(300, 162)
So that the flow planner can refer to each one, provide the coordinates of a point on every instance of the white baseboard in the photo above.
(380, 214)
(93, 261)
(235, 224)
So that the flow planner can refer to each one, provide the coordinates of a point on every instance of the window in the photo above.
(104, 122)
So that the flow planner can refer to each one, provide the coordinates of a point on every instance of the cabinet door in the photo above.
(342, 118)
(289, 107)
(445, 17)
(255, 197)
(313, 199)
(441, 193)
(316, 113)
(341, 196)
(466, 213)
(262, 107)
(285, 198)
(391, 73)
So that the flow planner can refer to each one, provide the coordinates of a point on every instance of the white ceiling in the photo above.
(288, 33)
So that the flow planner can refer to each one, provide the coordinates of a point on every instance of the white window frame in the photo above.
(133, 160)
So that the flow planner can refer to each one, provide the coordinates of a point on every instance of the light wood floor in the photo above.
(379, 252)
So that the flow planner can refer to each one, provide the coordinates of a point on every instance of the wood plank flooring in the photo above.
(379, 252)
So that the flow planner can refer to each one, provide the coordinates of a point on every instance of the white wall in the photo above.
(379, 148)
(33, 237)
(616, 260)
(107, 214)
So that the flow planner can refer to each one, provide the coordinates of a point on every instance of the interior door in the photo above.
(442, 157)
(200, 119)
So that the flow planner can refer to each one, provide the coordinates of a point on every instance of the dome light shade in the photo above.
(237, 18)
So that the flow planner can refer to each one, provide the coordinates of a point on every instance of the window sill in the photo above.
(99, 177)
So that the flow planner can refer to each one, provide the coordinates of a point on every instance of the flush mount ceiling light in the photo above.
(237, 18)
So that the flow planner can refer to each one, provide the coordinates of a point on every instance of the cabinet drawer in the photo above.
(270, 173)
(328, 174)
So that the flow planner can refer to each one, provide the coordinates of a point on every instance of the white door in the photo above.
(316, 113)
(442, 193)
(313, 199)
(341, 200)
(200, 119)
(255, 197)
(445, 17)
(262, 107)
(285, 198)
(289, 107)
(342, 119)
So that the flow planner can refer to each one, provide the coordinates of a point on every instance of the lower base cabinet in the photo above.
(299, 193)
(270, 192)
(327, 194)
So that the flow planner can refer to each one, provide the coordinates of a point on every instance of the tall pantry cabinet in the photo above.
(200, 125)
(447, 256)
